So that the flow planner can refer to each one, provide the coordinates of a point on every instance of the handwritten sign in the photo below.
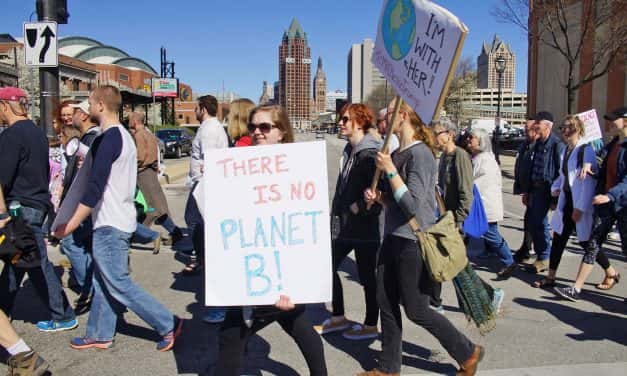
(591, 125)
(417, 47)
(267, 233)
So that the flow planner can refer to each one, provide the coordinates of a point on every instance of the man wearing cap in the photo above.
(544, 170)
(24, 179)
(77, 246)
(610, 205)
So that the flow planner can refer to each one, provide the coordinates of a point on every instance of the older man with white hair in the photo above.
(545, 169)
(382, 125)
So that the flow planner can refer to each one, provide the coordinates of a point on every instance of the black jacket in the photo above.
(72, 162)
(363, 226)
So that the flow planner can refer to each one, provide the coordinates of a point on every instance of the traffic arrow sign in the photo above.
(40, 44)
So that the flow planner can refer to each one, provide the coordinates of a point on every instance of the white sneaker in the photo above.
(330, 326)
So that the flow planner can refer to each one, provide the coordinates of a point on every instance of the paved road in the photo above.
(538, 333)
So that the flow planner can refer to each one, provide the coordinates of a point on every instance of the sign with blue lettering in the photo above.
(267, 233)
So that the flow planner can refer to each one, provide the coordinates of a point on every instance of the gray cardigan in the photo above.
(416, 166)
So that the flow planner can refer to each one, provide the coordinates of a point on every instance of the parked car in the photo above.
(177, 141)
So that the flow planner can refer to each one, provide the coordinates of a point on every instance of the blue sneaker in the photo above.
(57, 326)
(497, 300)
(167, 342)
(215, 315)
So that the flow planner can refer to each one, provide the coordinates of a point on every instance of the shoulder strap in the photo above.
(413, 222)
(580, 155)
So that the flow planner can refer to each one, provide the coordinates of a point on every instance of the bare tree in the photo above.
(380, 96)
(603, 22)
(462, 85)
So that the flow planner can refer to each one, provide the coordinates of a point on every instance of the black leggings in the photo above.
(402, 277)
(604, 218)
(560, 240)
(234, 334)
(366, 258)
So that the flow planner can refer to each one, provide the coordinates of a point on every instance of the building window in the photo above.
(75, 85)
(123, 77)
(180, 116)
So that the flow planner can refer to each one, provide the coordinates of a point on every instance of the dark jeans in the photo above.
(526, 243)
(402, 277)
(366, 257)
(234, 334)
(196, 226)
(604, 218)
(538, 224)
(44, 280)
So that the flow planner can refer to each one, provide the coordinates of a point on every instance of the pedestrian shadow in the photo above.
(594, 326)
(517, 228)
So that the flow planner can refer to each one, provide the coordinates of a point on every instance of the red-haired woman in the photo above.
(357, 224)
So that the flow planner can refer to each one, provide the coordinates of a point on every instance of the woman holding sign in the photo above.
(410, 193)
(268, 125)
(354, 225)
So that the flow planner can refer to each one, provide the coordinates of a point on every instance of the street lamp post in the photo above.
(500, 69)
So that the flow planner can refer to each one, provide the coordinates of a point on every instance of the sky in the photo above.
(235, 43)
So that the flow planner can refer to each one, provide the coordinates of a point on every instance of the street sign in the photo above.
(40, 44)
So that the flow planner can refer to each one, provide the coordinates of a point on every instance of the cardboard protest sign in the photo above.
(417, 47)
(267, 232)
(591, 125)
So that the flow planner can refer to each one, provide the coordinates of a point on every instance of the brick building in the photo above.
(295, 76)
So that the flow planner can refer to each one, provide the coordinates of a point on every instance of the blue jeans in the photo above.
(495, 243)
(77, 248)
(44, 279)
(144, 235)
(539, 205)
(114, 288)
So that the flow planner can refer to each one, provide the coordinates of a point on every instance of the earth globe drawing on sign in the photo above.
(399, 27)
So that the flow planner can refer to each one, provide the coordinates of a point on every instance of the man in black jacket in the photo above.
(24, 177)
(522, 180)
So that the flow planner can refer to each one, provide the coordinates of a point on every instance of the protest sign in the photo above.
(73, 196)
(267, 232)
(591, 125)
(417, 47)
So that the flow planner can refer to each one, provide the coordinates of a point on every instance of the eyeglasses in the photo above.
(440, 132)
(263, 127)
(344, 119)
(566, 126)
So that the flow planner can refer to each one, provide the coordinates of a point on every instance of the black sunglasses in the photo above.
(344, 119)
(440, 132)
(263, 127)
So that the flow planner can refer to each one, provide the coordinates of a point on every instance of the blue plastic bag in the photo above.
(476, 224)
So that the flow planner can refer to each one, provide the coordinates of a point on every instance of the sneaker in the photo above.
(330, 326)
(507, 271)
(497, 300)
(156, 245)
(568, 293)
(167, 342)
(439, 309)
(176, 235)
(359, 331)
(376, 372)
(27, 363)
(83, 343)
(614, 236)
(57, 326)
(214, 315)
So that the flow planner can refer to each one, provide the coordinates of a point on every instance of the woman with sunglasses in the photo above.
(402, 275)
(357, 224)
(574, 205)
(268, 125)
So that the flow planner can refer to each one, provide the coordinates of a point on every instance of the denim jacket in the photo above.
(618, 194)
(553, 149)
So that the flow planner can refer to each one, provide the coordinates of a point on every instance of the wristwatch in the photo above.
(4, 216)
(390, 175)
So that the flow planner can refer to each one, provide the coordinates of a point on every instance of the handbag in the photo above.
(18, 245)
(442, 245)
(476, 224)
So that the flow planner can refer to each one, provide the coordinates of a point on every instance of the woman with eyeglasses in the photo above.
(574, 206)
(356, 224)
(487, 178)
(268, 125)
(402, 276)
